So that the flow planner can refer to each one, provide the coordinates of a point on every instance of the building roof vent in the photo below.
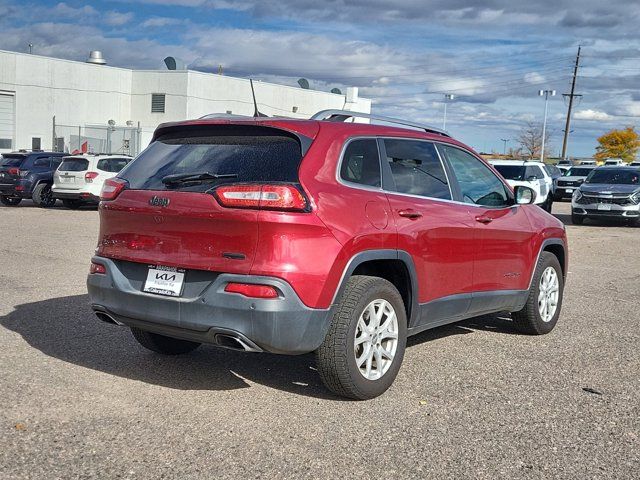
(174, 63)
(95, 57)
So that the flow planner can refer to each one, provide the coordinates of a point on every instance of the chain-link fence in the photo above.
(96, 139)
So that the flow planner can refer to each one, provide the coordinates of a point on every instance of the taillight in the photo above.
(89, 176)
(23, 173)
(13, 171)
(252, 290)
(262, 196)
(97, 268)
(112, 188)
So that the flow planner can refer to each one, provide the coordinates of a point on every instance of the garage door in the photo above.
(6, 122)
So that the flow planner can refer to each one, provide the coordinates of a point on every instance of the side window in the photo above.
(416, 168)
(42, 162)
(118, 164)
(104, 165)
(534, 172)
(478, 184)
(361, 163)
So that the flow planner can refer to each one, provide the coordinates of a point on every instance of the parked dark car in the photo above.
(608, 192)
(555, 173)
(28, 175)
(572, 179)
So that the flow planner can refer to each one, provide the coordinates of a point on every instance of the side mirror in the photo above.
(524, 195)
(531, 178)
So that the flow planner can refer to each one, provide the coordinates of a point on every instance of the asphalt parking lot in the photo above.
(80, 398)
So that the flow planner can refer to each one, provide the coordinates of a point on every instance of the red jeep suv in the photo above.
(323, 235)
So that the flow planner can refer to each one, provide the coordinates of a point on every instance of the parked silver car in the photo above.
(571, 181)
(609, 192)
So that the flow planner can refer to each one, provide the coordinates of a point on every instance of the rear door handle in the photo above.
(409, 213)
(484, 219)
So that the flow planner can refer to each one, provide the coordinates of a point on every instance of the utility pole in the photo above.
(504, 150)
(545, 94)
(571, 96)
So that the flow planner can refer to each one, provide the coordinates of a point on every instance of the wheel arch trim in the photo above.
(547, 242)
(382, 254)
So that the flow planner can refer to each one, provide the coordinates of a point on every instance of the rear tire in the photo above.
(9, 201)
(368, 329)
(547, 288)
(161, 344)
(42, 196)
(72, 204)
(548, 203)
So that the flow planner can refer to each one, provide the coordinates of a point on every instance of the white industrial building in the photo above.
(50, 103)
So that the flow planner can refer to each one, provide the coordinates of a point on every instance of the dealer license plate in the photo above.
(604, 207)
(569, 190)
(67, 180)
(164, 280)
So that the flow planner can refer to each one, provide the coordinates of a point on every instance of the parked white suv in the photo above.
(613, 162)
(529, 174)
(79, 178)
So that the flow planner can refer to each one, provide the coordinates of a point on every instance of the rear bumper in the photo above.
(8, 190)
(67, 195)
(283, 325)
(21, 189)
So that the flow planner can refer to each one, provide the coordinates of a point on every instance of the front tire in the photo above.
(9, 201)
(161, 344)
(42, 196)
(540, 313)
(364, 347)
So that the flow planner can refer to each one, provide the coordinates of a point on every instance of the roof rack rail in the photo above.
(342, 115)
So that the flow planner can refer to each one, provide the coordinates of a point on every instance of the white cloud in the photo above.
(590, 114)
(116, 19)
(534, 77)
(155, 22)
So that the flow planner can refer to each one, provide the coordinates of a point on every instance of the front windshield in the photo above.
(578, 172)
(614, 176)
(511, 172)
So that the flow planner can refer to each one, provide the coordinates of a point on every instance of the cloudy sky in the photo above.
(493, 55)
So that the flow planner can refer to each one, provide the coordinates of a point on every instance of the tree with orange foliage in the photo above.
(623, 143)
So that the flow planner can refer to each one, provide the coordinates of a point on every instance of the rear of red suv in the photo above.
(292, 236)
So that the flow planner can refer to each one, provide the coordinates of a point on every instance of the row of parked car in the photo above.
(46, 177)
(608, 191)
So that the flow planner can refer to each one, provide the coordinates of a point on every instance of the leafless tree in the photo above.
(530, 140)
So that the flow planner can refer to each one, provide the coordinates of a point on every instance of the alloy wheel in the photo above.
(376, 339)
(549, 293)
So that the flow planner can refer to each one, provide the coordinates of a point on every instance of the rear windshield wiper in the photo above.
(195, 177)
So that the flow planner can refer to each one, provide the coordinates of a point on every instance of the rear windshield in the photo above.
(12, 160)
(511, 172)
(614, 176)
(241, 154)
(74, 165)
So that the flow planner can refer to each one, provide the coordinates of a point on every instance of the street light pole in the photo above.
(447, 96)
(545, 94)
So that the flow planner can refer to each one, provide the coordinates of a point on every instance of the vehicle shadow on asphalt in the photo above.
(66, 328)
